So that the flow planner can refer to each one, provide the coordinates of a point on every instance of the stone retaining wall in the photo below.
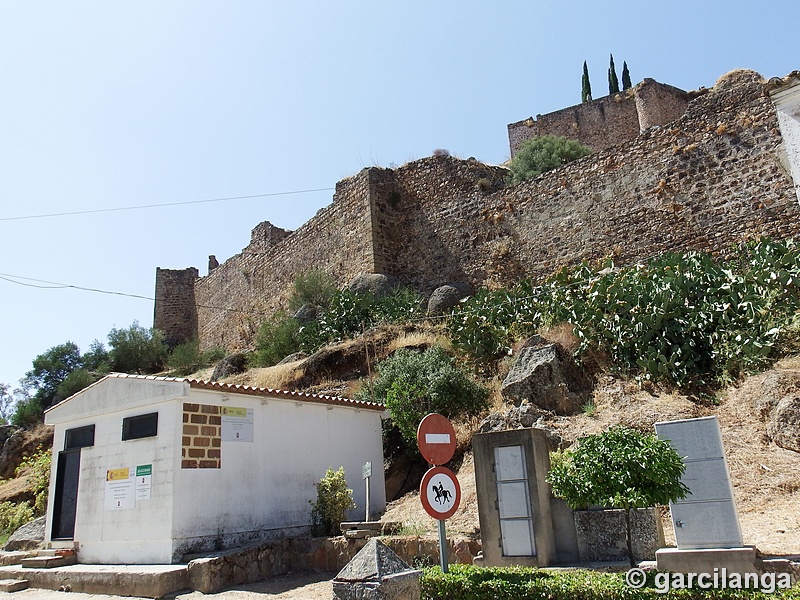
(330, 555)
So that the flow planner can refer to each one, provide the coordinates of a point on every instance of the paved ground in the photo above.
(291, 586)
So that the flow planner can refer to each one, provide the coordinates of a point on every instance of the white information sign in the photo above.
(120, 491)
(237, 424)
(144, 477)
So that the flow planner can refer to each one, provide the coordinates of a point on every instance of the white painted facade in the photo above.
(261, 488)
(787, 105)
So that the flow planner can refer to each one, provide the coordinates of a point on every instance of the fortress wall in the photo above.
(607, 121)
(707, 181)
(239, 294)
(710, 179)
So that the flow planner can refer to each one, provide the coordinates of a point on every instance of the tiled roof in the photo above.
(257, 391)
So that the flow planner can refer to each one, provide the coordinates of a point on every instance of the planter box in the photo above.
(601, 534)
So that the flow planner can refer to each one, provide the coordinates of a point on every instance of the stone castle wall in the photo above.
(706, 181)
(239, 294)
(175, 306)
(607, 121)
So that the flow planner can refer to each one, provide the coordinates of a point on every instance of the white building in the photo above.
(148, 469)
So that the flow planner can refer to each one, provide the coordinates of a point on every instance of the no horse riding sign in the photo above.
(440, 493)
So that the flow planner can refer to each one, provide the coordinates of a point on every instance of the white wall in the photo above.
(142, 534)
(263, 487)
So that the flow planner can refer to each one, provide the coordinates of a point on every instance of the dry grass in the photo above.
(279, 377)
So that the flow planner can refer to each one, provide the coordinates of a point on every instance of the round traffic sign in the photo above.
(436, 439)
(440, 493)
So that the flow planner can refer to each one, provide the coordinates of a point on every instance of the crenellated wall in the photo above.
(712, 177)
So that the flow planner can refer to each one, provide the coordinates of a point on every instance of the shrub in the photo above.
(467, 582)
(348, 314)
(13, 516)
(334, 499)
(545, 153)
(187, 358)
(314, 287)
(38, 466)
(413, 384)
(619, 468)
(277, 338)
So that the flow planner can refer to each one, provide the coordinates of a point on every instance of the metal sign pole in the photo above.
(367, 509)
(442, 547)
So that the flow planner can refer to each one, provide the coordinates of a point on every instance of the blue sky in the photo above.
(118, 104)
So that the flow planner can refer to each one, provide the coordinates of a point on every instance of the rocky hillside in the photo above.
(760, 420)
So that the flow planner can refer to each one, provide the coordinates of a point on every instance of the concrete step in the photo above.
(49, 562)
(144, 581)
(13, 585)
(15, 557)
(371, 525)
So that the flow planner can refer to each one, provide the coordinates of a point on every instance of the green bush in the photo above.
(686, 319)
(545, 153)
(413, 384)
(334, 499)
(467, 582)
(314, 287)
(619, 468)
(349, 314)
(13, 516)
(276, 339)
(39, 466)
(184, 359)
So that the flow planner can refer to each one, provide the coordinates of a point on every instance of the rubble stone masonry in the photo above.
(707, 180)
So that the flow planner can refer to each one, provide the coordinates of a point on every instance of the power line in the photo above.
(144, 206)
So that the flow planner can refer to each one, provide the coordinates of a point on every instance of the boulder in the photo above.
(233, 364)
(783, 427)
(28, 537)
(307, 313)
(293, 357)
(446, 297)
(546, 375)
(377, 284)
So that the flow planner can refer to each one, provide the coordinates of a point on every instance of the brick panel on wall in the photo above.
(201, 443)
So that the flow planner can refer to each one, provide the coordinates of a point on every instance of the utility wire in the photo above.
(143, 206)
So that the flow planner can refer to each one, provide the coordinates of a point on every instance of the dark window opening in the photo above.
(140, 426)
(80, 437)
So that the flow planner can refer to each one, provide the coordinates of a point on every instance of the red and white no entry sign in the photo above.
(436, 439)
(440, 493)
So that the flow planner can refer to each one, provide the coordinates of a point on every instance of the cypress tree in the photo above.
(586, 87)
(626, 76)
(613, 82)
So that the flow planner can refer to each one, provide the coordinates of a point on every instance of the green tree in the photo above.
(137, 350)
(49, 371)
(545, 153)
(626, 76)
(619, 468)
(586, 86)
(613, 82)
(413, 384)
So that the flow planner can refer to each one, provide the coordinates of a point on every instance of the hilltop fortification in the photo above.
(716, 173)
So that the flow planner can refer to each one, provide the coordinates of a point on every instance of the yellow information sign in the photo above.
(118, 474)
(233, 411)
